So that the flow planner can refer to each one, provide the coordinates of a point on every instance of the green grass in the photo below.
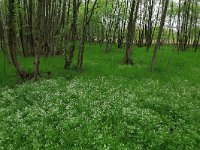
(108, 106)
(169, 64)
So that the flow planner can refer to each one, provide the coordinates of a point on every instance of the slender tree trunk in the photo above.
(39, 38)
(86, 21)
(12, 40)
(164, 13)
(150, 25)
(131, 32)
(68, 61)
(197, 43)
(83, 36)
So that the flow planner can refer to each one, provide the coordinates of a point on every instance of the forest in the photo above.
(100, 74)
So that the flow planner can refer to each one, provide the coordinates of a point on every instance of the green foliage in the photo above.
(109, 106)
(100, 113)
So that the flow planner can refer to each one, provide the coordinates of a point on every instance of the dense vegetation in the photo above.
(109, 106)
(99, 74)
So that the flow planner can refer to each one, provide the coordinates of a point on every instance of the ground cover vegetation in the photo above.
(99, 74)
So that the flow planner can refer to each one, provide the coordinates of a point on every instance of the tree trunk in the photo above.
(159, 35)
(86, 21)
(39, 37)
(12, 40)
(197, 42)
(72, 47)
(131, 32)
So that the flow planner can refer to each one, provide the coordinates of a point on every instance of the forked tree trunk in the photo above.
(131, 32)
(12, 41)
(86, 21)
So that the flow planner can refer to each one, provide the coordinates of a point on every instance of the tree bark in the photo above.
(68, 60)
(12, 41)
(164, 13)
(131, 32)
(86, 21)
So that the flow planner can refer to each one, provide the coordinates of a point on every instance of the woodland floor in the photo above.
(108, 106)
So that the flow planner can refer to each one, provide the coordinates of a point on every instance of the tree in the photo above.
(131, 32)
(39, 37)
(86, 20)
(68, 60)
(158, 41)
(12, 41)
